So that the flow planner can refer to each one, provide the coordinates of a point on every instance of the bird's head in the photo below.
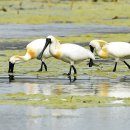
(49, 40)
(12, 61)
(97, 44)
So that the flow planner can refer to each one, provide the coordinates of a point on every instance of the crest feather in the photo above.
(102, 42)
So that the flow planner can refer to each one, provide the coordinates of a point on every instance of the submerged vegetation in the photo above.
(54, 101)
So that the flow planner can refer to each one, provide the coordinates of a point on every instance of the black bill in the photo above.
(91, 48)
(10, 71)
(48, 41)
(11, 67)
(91, 61)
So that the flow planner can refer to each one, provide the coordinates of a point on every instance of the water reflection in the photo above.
(88, 86)
(105, 88)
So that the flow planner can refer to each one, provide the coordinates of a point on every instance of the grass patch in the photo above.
(40, 12)
(29, 68)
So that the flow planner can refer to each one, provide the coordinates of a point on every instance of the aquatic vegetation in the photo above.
(55, 101)
(62, 101)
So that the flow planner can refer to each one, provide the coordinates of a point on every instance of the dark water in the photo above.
(25, 30)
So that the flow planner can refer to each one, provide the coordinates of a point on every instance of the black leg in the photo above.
(41, 67)
(75, 71)
(127, 64)
(45, 66)
(70, 70)
(114, 70)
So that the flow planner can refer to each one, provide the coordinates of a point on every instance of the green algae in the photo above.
(55, 101)
(62, 101)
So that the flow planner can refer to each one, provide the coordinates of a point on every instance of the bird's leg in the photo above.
(45, 66)
(115, 67)
(75, 71)
(127, 64)
(41, 67)
(70, 70)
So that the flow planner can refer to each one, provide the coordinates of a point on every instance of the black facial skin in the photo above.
(48, 41)
(91, 48)
(90, 63)
(11, 69)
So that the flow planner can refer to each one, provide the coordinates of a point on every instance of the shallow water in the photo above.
(28, 30)
(39, 118)
(84, 85)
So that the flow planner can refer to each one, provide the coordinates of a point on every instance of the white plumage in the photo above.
(68, 52)
(34, 48)
(37, 46)
(116, 50)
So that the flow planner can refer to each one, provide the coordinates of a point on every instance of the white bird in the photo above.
(116, 50)
(69, 53)
(34, 48)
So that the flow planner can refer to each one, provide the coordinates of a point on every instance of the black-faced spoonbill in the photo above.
(116, 50)
(34, 48)
(70, 53)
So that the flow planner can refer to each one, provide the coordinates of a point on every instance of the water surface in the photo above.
(31, 30)
(39, 118)
(84, 85)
